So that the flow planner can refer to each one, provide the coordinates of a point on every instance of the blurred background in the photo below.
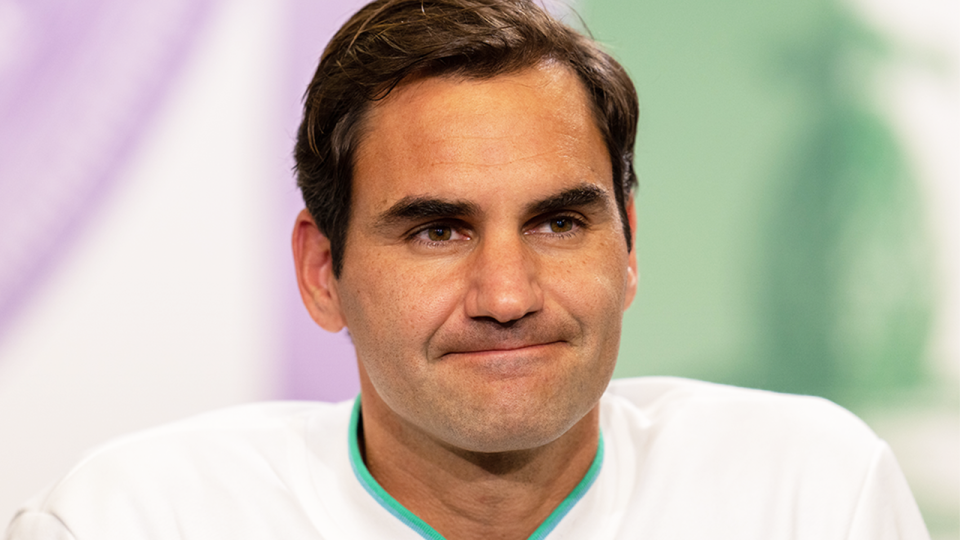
(798, 214)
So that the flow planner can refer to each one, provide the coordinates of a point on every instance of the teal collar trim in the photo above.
(426, 531)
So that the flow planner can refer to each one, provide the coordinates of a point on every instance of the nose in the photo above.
(503, 280)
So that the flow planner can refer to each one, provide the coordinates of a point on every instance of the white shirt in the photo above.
(680, 459)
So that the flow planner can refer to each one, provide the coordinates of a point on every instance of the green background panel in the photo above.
(780, 239)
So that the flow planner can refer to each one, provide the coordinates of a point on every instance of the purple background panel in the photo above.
(317, 364)
(78, 89)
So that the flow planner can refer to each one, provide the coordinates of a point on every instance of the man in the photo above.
(466, 166)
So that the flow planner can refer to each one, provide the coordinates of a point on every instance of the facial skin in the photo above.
(485, 272)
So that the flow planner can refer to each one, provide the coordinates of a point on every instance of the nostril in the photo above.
(501, 324)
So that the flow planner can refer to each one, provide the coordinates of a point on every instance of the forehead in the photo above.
(443, 136)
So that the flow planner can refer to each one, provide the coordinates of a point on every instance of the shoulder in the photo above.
(740, 425)
(660, 398)
(247, 430)
(693, 457)
(251, 453)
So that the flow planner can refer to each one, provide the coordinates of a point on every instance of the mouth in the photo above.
(506, 360)
(495, 349)
(520, 349)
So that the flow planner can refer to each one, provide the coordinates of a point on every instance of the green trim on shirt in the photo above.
(578, 492)
(421, 527)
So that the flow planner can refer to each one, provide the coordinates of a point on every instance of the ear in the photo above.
(314, 264)
(633, 275)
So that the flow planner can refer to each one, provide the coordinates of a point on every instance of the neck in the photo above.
(465, 495)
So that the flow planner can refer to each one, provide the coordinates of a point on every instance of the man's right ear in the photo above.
(314, 263)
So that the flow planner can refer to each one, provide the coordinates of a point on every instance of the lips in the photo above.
(534, 360)
(485, 339)
(502, 349)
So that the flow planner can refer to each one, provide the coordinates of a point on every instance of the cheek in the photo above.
(393, 309)
(593, 287)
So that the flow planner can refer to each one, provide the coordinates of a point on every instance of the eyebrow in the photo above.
(584, 195)
(425, 208)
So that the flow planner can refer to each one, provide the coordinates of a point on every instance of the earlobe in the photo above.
(633, 276)
(314, 264)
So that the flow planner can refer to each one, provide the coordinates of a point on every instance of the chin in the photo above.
(503, 442)
(499, 432)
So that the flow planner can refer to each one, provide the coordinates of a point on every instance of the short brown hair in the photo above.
(388, 41)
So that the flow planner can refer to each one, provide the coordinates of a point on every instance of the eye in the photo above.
(438, 233)
(558, 225)
(561, 224)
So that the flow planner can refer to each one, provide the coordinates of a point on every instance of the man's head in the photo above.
(389, 41)
(485, 269)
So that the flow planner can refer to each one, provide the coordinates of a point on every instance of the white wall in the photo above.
(164, 307)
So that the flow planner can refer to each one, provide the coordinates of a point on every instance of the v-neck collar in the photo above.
(421, 527)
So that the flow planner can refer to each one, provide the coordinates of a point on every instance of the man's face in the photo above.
(486, 272)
